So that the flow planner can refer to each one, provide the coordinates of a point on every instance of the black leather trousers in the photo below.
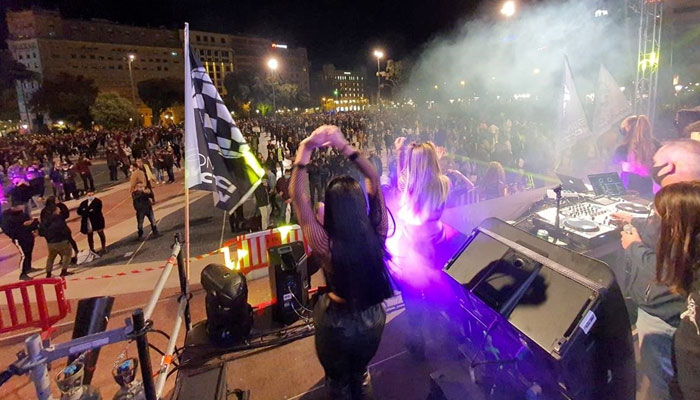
(346, 340)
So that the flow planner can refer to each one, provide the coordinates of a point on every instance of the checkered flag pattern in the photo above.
(226, 165)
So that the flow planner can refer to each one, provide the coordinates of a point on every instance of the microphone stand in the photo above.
(557, 191)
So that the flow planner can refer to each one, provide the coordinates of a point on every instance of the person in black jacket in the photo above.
(64, 212)
(143, 204)
(678, 267)
(21, 229)
(54, 229)
(92, 221)
(659, 307)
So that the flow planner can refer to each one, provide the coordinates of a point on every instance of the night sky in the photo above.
(341, 32)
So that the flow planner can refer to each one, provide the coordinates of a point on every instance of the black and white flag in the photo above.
(217, 158)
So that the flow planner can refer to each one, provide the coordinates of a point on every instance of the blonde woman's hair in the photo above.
(423, 186)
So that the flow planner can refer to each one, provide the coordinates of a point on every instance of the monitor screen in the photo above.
(607, 184)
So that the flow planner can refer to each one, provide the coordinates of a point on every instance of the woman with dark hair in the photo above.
(635, 154)
(678, 266)
(493, 183)
(349, 319)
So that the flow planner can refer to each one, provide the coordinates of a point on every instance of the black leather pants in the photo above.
(346, 340)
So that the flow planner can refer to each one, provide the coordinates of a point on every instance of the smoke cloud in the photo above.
(498, 56)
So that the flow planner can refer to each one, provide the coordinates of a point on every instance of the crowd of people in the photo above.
(336, 187)
(146, 156)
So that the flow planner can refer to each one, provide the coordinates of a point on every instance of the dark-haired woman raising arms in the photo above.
(349, 320)
(678, 266)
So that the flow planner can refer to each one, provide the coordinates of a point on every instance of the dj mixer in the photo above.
(589, 223)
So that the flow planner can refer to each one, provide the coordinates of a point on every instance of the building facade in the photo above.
(341, 89)
(117, 56)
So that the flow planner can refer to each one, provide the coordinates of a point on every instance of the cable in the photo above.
(393, 221)
(297, 300)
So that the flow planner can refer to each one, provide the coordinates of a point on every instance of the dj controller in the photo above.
(588, 223)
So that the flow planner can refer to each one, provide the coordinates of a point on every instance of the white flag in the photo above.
(572, 124)
(611, 106)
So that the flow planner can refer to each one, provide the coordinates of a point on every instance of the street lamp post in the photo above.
(131, 59)
(273, 64)
(379, 54)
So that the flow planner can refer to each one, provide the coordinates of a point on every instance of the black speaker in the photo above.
(91, 317)
(229, 316)
(536, 316)
(289, 281)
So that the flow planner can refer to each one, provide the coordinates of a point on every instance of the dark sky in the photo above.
(341, 32)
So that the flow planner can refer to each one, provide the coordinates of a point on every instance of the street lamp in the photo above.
(508, 8)
(272, 63)
(379, 54)
(131, 59)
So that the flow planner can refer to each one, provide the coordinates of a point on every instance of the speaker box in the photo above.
(536, 316)
(289, 281)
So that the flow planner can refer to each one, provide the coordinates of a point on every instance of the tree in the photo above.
(13, 71)
(66, 97)
(243, 87)
(113, 111)
(8, 104)
(161, 93)
(394, 75)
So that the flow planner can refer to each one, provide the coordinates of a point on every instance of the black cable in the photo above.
(393, 221)
(161, 332)
(159, 351)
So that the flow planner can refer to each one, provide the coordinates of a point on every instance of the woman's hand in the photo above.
(317, 138)
(336, 138)
(398, 143)
(629, 237)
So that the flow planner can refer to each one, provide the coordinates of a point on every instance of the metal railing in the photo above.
(23, 315)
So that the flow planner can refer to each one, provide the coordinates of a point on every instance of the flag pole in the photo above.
(186, 54)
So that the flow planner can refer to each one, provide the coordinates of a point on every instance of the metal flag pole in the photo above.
(188, 119)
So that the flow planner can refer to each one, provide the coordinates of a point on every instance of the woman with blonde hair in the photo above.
(635, 154)
(423, 244)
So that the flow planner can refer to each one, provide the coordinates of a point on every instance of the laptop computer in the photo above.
(607, 184)
(572, 184)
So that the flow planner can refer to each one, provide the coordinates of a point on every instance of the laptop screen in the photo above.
(607, 184)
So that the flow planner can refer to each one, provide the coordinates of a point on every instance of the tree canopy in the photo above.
(66, 97)
(160, 93)
(13, 71)
(113, 111)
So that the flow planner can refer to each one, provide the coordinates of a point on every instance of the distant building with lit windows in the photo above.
(216, 54)
(344, 89)
(49, 44)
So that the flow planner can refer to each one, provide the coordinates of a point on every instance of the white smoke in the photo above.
(525, 54)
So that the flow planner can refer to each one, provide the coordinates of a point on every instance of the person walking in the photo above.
(21, 230)
(92, 220)
(83, 169)
(54, 229)
(143, 204)
(112, 163)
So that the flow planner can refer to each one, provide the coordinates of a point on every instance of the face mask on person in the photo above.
(91, 198)
(287, 176)
(660, 177)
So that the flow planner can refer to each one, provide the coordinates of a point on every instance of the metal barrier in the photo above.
(39, 318)
(251, 250)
